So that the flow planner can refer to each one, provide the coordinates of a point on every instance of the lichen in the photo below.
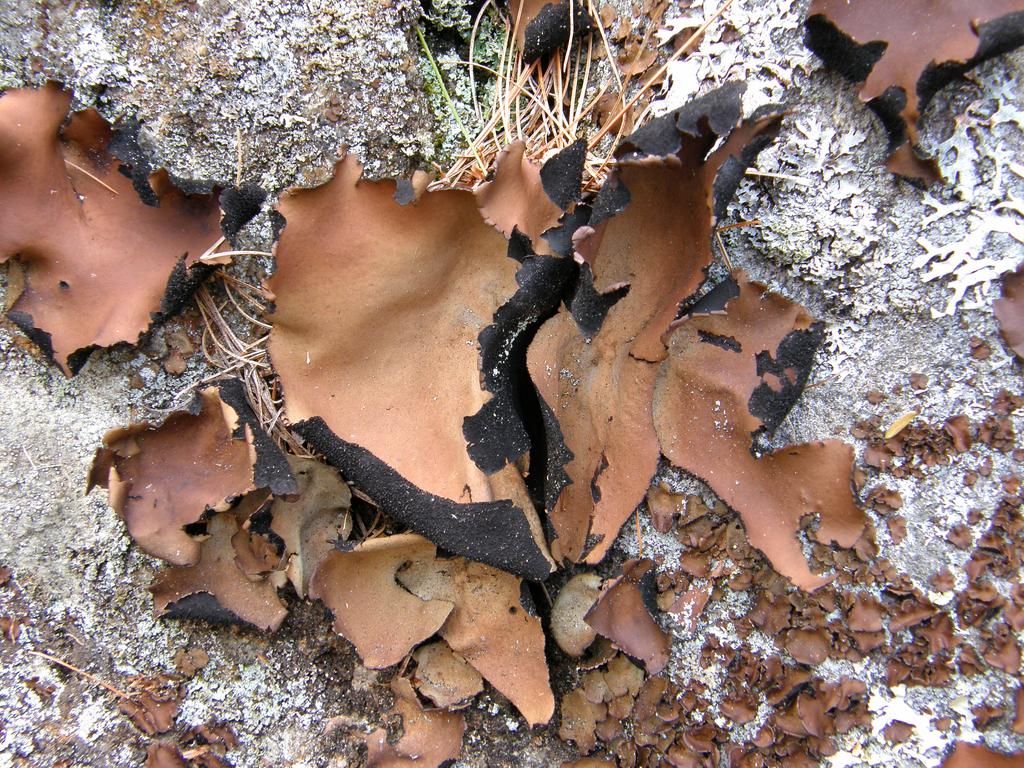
(451, 58)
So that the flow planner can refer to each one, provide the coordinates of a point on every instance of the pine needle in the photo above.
(448, 98)
(88, 676)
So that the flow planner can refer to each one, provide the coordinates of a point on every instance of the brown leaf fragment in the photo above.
(898, 732)
(865, 615)
(622, 678)
(99, 262)
(491, 627)
(429, 739)
(960, 536)
(595, 362)
(215, 734)
(875, 397)
(568, 628)
(688, 608)
(579, 718)
(311, 524)
(386, 376)
(371, 609)
(959, 429)
(621, 614)
(911, 614)
(444, 677)
(175, 364)
(161, 479)
(151, 713)
(985, 715)
(1005, 657)
(808, 646)
(966, 755)
(515, 197)
(897, 526)
(712, 398)
(1009, 310)
(664, 507)
(601, 652)
(739, 711)
(42, 689)
(215, 588)
(164, 754)
(190, 661)
(901, 56)
(10, 628)
(942, 580)
(255, 554)
(980, 350)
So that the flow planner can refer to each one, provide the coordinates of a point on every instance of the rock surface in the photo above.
(225, 90)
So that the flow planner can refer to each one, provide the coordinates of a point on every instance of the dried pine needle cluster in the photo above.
(599, 87)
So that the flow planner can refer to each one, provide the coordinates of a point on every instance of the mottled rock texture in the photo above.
(266, 92)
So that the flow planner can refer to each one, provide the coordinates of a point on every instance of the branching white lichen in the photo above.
(758, 60)
(833, 232)
(972, 263)
(980, 158)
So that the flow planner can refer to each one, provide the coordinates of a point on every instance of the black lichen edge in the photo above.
(37, 336)
(271, 469)
(588, 306)
(612, 199)
(136, 164)
(181, 284)
(595, 487)
(559, 238)
(240, 205)
(646, 584)
(549, 30)
(591, 542)
(558, 455)
(526, 600)
(995, 37)
(202, 606)
(496, 533)
(839, 51)
(260, 522)
(562, 175)
(716, 299)
(854, 61)
(716, 114)
(732, 172)
(728, 343)
(496, 434)
(796, 351)
(44, 341)
(657, 138)
(722, 108)
(705, 117)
